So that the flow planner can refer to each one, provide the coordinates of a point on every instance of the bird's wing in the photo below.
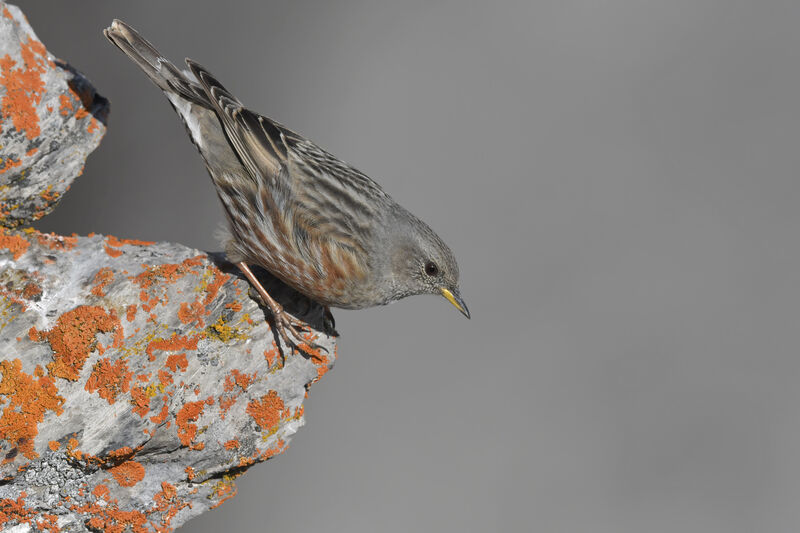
(324, 197)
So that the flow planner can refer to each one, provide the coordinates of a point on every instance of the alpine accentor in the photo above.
(312, 220)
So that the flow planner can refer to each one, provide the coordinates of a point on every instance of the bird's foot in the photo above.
(285, 325)
(289, 328)
(294, 333)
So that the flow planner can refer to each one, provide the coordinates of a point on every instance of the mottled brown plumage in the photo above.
(312, 220)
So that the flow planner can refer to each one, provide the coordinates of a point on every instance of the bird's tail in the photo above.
(158, 68)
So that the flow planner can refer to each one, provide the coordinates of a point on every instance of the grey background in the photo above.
(619, 182)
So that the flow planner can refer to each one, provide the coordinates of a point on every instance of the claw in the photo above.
(284, 324)
(287, 327)
(328, 323)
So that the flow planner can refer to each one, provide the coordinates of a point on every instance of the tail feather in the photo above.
(159, 69)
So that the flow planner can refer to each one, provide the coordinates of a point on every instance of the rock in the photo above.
(51, 118)
(137, 379)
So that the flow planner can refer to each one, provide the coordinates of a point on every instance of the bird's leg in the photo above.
(283, 320)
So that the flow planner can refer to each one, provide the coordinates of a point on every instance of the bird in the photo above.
(313, 221)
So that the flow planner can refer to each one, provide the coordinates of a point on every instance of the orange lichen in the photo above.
(189, 473)
(48, 522)
(86, 458)
(266, 411)
(165, 378)
(225, 404)
(121, 454)
(279, 447)
(323, 366)
(140, 401)
(66, 105)
(246, 461)
(193, 312)
(130, 312)
(14, 244)
(53, 241)
(234, 306)
(176, 361)
(74, 337)
(110, 379)
(168, 504)
(24, 88)
(232, 444)
(8, 163)
(101, 491)
(78, 455)
(271, 356)
(14, 510)
(113, 520)
(49, 195)
(168, 491)
(54, 445)
(115, 242)
(162, 416)
(169, 273)
(308, 348)
(189, 413)
(29, 399)
(103, 277)
(225, 490)
(128, 474)
(148, 303)
(31, 291)
(21, 291)
(241, 379)
(173, 344)
(321, 371)
(213, 288)
(112, 252)
(230, 395)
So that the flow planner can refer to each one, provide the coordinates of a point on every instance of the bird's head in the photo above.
(421, 263)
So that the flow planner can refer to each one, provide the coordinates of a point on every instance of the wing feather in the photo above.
(321, 198)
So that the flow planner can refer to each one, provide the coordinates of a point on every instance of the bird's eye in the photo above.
(431, 269)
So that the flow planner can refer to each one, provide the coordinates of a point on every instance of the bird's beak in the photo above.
(454, 298)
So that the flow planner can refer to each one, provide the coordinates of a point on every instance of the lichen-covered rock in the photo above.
(137, 380)
(51, 118)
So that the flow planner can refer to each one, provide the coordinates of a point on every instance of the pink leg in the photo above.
(283, 320)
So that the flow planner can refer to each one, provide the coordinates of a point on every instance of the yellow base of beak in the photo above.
(456, 300)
